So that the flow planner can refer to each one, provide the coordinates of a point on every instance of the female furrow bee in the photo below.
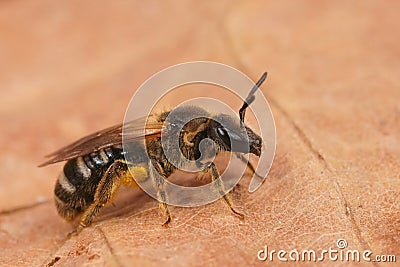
(96, 164)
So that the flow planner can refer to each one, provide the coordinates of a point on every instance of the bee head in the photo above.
(231, 135)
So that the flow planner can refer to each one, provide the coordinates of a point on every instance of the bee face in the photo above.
(255, 142)
(229, 135)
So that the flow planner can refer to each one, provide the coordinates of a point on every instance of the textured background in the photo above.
(69, 68)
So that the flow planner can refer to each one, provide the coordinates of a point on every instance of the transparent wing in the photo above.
(131, 132)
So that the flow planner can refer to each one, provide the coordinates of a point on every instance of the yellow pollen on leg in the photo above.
(140, 173)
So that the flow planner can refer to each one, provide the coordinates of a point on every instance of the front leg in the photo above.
(221, 189)
(248, 164)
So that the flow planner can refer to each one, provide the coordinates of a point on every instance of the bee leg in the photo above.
(248, 164)
(159, 183)
(221, 189)
(107, 186)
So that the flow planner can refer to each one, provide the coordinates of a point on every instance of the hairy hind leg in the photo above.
(107, 186)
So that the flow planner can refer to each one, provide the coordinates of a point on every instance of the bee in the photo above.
(96, 164)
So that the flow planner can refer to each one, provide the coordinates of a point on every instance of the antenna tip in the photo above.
(262, 79)
(264, 76)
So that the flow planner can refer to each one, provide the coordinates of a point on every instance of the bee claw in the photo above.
(72, 233)
(166, 223)
(78, 229)
(238, 214)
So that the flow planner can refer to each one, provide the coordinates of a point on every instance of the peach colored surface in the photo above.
(69, 68)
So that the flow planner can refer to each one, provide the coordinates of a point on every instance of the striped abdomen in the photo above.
(77, 183)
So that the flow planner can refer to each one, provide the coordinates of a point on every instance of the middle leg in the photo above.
(158, 177)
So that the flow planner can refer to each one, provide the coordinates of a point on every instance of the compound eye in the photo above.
(222, 132)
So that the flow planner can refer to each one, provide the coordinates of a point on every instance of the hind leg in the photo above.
(109, 183)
